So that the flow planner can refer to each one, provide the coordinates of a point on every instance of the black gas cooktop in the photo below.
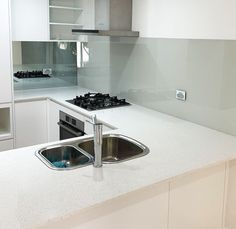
(98, 101)
(33, 74)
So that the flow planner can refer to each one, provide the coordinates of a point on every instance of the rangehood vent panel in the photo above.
(113, 18)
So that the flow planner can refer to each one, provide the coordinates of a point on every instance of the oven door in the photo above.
(67, 131)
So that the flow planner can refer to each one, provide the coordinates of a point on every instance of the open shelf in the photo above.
(66, 3)
(5, 122)
(65, 24)
(66, 8)
(62, 31)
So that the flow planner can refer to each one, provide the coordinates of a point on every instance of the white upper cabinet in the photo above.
(5, 54)
(30, 20)
(195, 19)
(5, 78)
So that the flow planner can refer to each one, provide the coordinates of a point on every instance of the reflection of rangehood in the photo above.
(112, 18)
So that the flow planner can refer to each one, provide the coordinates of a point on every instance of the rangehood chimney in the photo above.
(112, 18)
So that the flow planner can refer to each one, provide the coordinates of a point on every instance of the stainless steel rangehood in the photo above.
(112, 18)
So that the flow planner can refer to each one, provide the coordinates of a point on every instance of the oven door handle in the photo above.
(77, 134)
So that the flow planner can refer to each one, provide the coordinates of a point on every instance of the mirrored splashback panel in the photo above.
(44, 64)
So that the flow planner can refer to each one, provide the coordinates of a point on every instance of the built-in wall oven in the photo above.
(70, 127)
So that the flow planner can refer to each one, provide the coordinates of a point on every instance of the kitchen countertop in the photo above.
(32, 194)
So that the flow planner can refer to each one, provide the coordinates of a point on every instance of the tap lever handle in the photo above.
(94, 120)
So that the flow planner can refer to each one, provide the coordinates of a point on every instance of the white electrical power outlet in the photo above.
(181, 95)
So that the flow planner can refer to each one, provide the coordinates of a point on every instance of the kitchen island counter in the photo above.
(32, 194)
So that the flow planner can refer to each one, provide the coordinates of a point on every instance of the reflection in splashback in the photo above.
(148, 71)
(95, 74)
(60, 59)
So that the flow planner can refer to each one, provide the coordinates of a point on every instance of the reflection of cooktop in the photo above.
(97, 101)
(30, 75)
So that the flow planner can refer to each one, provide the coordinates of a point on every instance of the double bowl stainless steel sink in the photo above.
(115, 149)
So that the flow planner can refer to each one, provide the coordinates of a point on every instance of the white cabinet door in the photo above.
(30, 20)
(6, 145)
(185, 19)
(197, 200)
(31, 123)
(5, 54)
(230, 221)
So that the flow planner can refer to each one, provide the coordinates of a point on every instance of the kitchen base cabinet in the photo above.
(6, 145)
(53, 119)
(197, 200)
(192, 201)
(145, 208)
(230, 219)
(30, 123)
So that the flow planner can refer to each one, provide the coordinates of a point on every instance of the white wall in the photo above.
(208, 19)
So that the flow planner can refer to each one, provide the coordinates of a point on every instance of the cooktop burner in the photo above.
(33, 74)
(97, 101)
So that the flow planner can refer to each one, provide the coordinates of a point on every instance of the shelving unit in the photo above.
(65, 15)
(5, 121)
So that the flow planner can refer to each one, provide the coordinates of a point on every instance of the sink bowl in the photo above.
(64, 157)
(116, 148)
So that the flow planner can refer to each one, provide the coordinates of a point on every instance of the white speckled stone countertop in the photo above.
(32, 194)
